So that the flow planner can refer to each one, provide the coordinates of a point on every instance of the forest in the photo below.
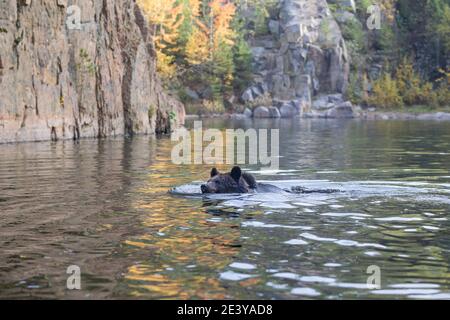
(204, 50)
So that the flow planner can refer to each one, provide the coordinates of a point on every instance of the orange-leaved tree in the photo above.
(165, 17)
(212, 29)
(210, 45)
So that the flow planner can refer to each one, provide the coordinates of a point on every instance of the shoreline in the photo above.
(437, 116)
(393, 115)
(361, 115)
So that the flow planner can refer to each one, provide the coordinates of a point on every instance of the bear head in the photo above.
(232, 182)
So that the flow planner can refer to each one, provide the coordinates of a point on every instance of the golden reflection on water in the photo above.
(103, 205)
(182, 251)
(186, 250)
(178, 243)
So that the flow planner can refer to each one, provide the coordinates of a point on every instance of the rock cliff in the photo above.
(304, 55)
(76, 69)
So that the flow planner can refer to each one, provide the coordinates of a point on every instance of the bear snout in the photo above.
(204, 188)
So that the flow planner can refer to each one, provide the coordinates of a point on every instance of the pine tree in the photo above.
(191, 10)
(211, 43)
(223, 67)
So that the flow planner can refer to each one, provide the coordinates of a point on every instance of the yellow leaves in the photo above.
(388, 7)
(408, 88)
(223, 13)
(198, 33)
(413, 89)
(166, 18)
(165, 65)
(195, 6)
(210, 31)
(197, 47)
(405, 75)
(385, 93)
(217, 23)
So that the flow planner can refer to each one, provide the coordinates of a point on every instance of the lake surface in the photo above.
(104, 206)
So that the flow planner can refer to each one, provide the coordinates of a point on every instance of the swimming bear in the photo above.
(235, 181)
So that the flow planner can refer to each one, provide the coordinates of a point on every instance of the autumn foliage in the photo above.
(166, 18)
(407, 88)
(195, 41)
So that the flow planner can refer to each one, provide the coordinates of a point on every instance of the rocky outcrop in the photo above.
(341, 111)
(288, 111)
(261, 112)
(60, 79)
(304, 55)
(332, 106)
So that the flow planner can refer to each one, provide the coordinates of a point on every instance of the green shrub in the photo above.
(385, 93)
(353, 32)
(385, 38)
(243, 65)
(413, 89)
(362, 5)
(443, 88)
(357, 88)
(408, 88)
(205, 107)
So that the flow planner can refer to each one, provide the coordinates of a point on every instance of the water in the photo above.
(104, 206)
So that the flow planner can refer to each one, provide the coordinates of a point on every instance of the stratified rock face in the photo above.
(305, 54)
(61, 81)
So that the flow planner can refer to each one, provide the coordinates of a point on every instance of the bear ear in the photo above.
(214, 172)
(236, 173)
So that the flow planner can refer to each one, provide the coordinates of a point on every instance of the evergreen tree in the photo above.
(243, 65)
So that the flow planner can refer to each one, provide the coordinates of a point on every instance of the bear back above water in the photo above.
(239, 182)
